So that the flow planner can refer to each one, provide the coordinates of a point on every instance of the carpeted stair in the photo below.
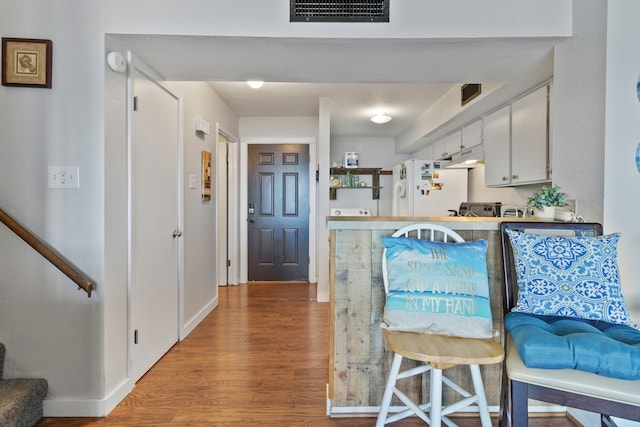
(20, 398)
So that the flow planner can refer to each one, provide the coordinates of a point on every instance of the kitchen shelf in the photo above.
(375, 184)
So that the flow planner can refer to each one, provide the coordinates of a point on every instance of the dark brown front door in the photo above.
(278, 212)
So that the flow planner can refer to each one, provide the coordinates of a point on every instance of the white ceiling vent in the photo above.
(339, 10)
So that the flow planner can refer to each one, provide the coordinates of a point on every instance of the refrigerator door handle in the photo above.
(402, 188)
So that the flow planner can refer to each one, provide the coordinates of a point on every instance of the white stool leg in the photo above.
(388, 391)
(478, 385)
(435, 412)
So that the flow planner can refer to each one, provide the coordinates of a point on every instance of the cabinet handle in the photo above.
(505, 178)
(514, 177)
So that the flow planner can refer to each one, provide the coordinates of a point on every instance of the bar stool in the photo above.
(437, 353)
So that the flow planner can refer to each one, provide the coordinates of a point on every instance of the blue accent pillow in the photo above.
(569, 276)
(551, 342)
(437, 287)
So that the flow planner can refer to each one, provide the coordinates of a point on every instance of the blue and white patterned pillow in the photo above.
(569, 276)
(438, 288)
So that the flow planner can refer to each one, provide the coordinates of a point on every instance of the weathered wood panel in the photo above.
(361, 359)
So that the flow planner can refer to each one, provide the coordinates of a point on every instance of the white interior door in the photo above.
(154, 221)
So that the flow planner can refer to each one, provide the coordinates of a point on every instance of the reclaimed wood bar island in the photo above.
(359, 358)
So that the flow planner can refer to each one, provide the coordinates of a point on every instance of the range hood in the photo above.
(468, 158)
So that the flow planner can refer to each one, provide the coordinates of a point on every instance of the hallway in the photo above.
(259, 359)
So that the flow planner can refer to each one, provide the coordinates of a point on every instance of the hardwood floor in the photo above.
(259, 359)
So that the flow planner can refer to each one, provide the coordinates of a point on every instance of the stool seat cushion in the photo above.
(552, 342)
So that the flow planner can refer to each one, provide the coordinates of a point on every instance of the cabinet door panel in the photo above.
(440, 149)
(497, 151)
(453, 143)
(472, 135)
(530, 137)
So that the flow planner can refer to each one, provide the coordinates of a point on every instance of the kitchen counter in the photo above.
(359, 357)
(453, 222)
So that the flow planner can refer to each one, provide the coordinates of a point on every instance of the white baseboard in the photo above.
(323, 297)
(195, 320)
(87, 407)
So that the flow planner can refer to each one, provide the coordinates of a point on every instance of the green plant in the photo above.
(548, 197)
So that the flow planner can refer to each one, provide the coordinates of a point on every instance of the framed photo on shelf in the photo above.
(26, 62)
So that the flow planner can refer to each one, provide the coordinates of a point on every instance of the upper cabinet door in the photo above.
(453, 143)
(497, 147)
(471, 135)
(530, 137)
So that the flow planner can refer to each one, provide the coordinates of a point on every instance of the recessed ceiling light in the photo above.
(256, 84)
(381, 118)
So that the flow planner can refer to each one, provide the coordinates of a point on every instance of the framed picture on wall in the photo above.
(26, 62)
(206, 176)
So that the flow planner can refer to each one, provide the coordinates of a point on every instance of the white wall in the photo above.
(410, 19)
(200, 234)
(372, 153)
(51, 329)
(621, 176)
(578, 105)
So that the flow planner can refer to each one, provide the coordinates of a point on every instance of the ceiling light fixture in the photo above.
(381, 118)
(255, 84)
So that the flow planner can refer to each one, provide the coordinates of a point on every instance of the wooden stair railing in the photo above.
(53, 256)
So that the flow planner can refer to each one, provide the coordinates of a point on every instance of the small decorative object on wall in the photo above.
(545, 200)
(26, 62)
(206, 176)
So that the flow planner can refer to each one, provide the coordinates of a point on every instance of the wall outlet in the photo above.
(64, 177)
(571, 205)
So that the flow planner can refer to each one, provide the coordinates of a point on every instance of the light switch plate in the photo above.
(193, 183)
(64, 177)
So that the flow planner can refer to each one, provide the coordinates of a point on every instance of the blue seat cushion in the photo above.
(552, 342)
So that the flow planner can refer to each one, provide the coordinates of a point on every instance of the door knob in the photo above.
(177, 233)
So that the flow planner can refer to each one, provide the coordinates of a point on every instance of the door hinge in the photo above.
(228, 263)
(135, 103)
(135, 336)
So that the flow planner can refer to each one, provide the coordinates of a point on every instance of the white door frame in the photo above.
(243, 167)
(230, 176)
(136, 64)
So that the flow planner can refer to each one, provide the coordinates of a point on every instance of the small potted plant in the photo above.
(545, 200)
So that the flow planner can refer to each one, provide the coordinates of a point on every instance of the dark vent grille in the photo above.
(339, 11)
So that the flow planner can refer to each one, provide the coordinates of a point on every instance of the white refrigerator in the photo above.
(426, 188)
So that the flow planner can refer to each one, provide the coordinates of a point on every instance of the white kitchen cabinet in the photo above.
(497, 147)
(516, 142)
(447, 146)
(471, 135)
(530, 138)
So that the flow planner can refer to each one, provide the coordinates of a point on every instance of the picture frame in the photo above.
(206, 176)
(26, 62)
